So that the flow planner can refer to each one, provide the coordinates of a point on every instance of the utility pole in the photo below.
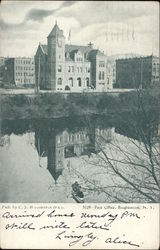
(38, 80)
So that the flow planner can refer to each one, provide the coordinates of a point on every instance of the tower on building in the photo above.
(56, 57)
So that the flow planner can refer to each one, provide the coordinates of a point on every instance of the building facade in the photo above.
(60, 145)
(60, 66)
(2, 70)
(138, 72)
(20, 71)
(110, 73)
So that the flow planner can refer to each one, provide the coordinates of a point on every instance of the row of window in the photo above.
(101, 64)
(101, 75)
(79, 59)
(24, 73)
(24, 62)
(71, 69)
(24, 81)
(72, 137)
(23, 68)
(71, 82)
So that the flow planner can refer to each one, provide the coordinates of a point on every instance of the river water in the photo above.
(41, 159)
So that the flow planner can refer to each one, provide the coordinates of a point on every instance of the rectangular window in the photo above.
(72, 68)
(69, 69)
(59, 68)
(101, 64)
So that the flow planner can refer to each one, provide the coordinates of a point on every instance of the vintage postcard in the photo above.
(79, 125)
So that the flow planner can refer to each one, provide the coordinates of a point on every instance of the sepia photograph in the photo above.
(79, 102)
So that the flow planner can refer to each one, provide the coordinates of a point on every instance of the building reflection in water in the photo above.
(58, 145)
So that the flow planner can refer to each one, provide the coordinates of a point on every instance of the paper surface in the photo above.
(49, 143)
(88, 226)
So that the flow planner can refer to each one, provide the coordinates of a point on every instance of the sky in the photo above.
(114, 27)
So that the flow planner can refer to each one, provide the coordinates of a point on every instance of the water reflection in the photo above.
(41, 158)
(58, 145)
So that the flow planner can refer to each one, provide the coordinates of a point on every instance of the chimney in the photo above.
(90, 45)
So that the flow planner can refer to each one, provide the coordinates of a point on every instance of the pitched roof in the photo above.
(70, 48)
(96, 52)
(44, 48)
(55, 173)
(73, 48)
(83, 49)
(55, 31)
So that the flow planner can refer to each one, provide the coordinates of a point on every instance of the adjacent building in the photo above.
(2, 70)
(60, 66)
(19, 71)
(138, 72)
(110, 73)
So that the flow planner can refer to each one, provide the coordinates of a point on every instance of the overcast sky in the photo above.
(113, 27)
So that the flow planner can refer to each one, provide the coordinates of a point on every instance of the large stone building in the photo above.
(61, 144)
(19, 71)
(138, 72)
(60, 66)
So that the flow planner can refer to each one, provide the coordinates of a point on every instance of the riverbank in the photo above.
(55, 105)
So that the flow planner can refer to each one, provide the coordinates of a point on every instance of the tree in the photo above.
(130, 164)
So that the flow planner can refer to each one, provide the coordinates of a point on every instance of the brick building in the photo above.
(2, 70)
(59, 145)
(60, 66)
(138, 72)
(110, 73)
(19, 71)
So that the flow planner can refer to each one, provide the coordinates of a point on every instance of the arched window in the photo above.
(59, 81)
(71, 81)
(79, 81)
(87, 81)
(100, 75)
(67, 87)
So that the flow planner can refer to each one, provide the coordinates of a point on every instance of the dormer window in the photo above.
(79, 59)
(78, 56)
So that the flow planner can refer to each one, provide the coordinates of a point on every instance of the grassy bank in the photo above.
(52, 105)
